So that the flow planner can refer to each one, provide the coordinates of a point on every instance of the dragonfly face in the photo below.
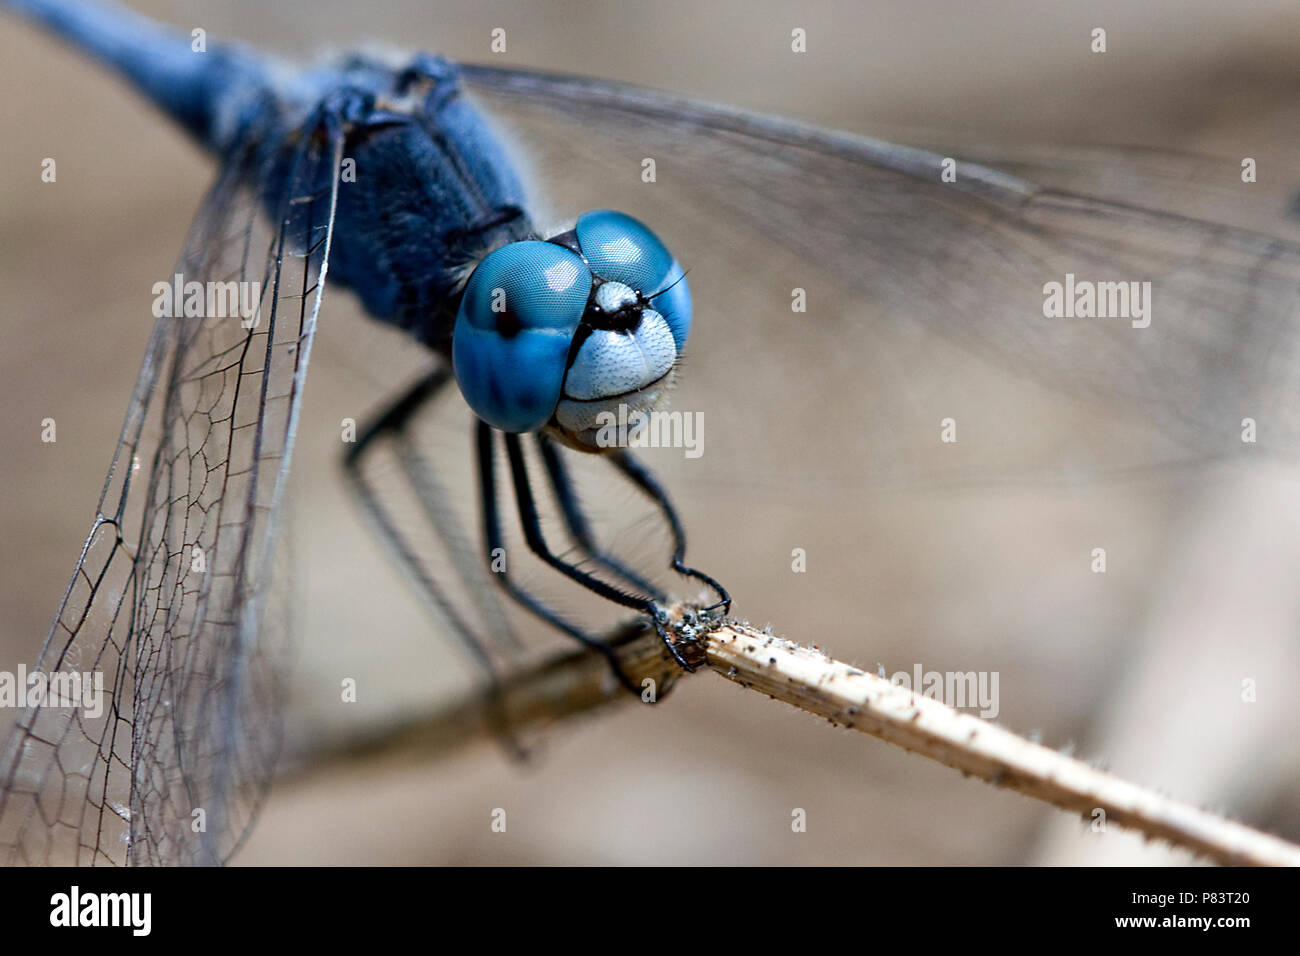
(564, 332)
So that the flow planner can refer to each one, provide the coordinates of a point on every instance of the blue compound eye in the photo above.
(516, 323)
(621, 249)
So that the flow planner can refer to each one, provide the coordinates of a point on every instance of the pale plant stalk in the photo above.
(807, 678)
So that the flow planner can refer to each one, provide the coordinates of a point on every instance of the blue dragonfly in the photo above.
(545, 338)
(541, 334)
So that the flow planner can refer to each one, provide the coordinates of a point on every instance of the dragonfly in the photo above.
(384, 178)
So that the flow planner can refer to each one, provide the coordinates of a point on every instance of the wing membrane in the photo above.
(167, 599)
(915, 283)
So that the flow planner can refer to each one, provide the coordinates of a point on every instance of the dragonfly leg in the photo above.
(532, 529)
(392, 423)
(576, 521)
(495, 546)
(644, 478)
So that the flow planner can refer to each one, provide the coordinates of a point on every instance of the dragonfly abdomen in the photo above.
(209, 90)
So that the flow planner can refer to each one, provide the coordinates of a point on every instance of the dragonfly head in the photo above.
(558, 334)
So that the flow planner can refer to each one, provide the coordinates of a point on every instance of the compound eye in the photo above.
(622, 249)
(513, 331)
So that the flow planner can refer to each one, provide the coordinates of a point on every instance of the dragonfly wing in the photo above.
(912, 272)
(167, 599)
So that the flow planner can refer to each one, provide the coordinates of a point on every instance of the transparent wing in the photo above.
(925, 298)
(166, 603)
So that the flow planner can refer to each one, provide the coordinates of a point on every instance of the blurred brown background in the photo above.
(1131, 674)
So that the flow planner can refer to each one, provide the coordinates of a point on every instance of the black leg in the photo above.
(392, 423)
(641, 596)
(576, 521)
(532, 529)
(644, 479)
(493, 541)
